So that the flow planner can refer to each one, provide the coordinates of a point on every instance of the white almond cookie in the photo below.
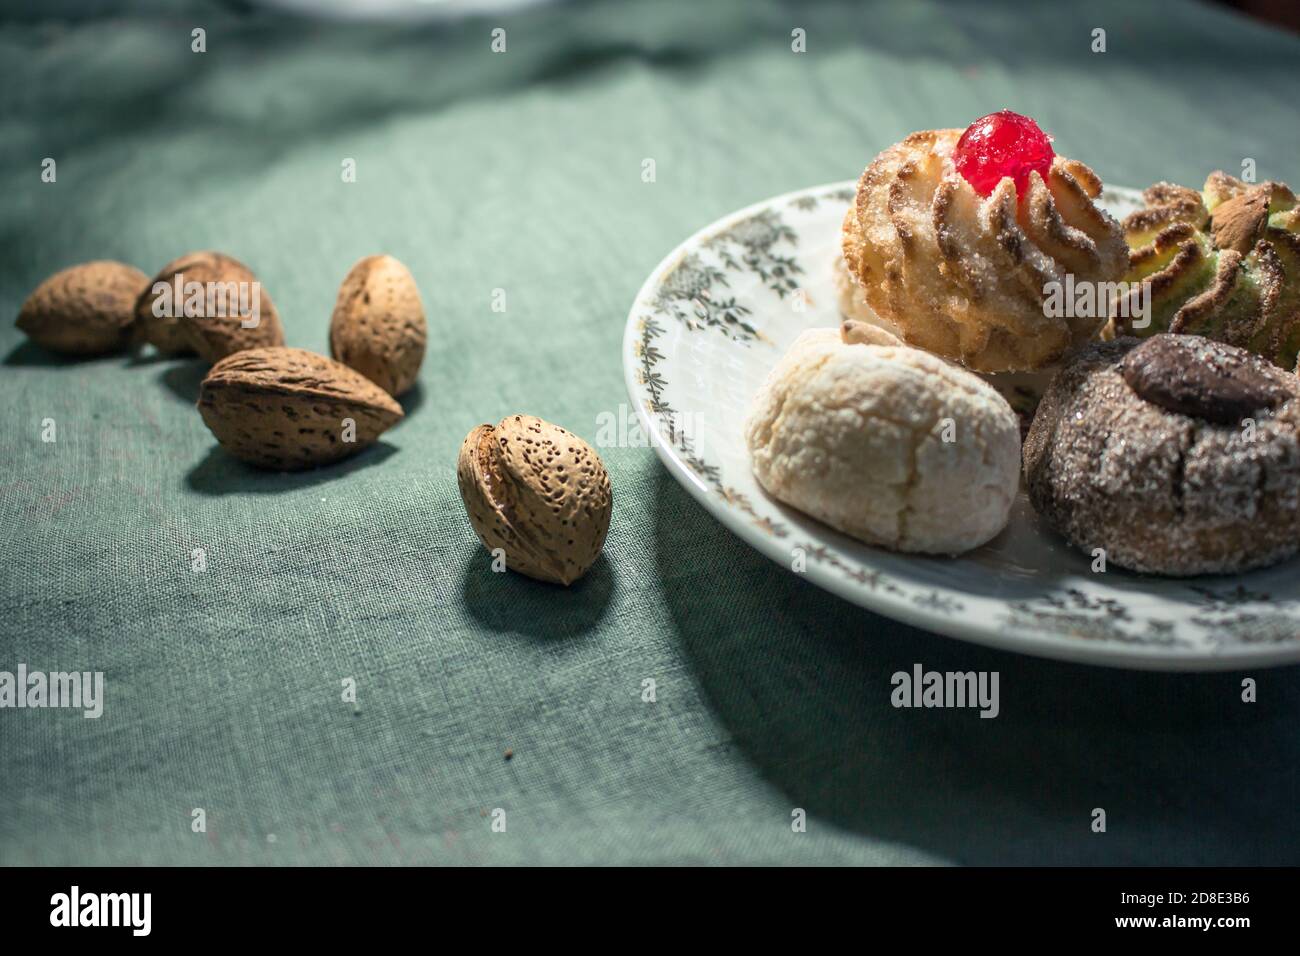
(886, 443)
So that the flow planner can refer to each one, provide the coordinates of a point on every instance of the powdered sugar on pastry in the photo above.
(886, 443)
(964, 276)
(1176, 456)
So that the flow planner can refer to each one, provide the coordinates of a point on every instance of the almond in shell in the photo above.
(539, 493)
(230, 312)
(87, 309)
(378, 325)
(290, 409)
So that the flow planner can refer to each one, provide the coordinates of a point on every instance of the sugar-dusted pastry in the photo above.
(886, 443)
(1223, 263)
(955, 237)
(1175, 455)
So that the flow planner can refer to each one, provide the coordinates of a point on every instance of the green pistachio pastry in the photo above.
(1223, 263)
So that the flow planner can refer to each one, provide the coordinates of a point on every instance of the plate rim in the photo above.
(1047, 645)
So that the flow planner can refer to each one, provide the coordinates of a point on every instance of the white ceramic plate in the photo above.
(720, 310)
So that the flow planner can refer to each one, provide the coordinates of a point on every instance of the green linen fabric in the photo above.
(521, 171)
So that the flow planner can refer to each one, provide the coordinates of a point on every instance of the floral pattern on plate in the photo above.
(716, 315)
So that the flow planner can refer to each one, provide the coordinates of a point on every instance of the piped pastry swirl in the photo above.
(966, 276)
(1223, 263)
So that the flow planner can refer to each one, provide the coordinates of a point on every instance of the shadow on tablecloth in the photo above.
(1186, 772)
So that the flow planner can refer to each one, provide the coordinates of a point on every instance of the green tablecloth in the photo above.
(522, 171)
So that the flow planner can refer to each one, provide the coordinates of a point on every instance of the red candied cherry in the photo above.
(1002, 144)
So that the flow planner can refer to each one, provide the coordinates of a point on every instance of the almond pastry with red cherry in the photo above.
(955, 237)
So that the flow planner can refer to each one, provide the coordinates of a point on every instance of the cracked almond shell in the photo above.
(87, 309)
(539, 493)
(287, 408)
(212, 335)
(378, 325)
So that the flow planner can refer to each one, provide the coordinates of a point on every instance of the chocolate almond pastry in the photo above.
(1176, 456)
(1202, 379)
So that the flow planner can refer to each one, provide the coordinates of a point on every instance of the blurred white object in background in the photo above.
(399, 9)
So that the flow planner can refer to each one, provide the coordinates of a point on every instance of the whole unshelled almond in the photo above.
(378, 324)
(208, 303)
(86, 309)
(289, 408)
(539, 493)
